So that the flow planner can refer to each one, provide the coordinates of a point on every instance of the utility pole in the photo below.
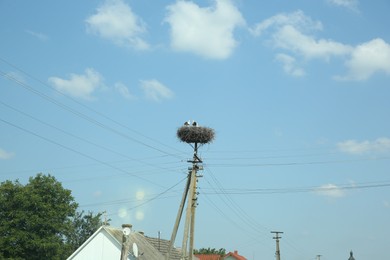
(189, 226)
(125, 245)
(277, 237)
(319, 257)
(196, 136)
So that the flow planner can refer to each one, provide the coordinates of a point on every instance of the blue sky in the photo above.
(297, 92)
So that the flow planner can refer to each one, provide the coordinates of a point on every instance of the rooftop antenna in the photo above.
(135, 250)
(196, 136)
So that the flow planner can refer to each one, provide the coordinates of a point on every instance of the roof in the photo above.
(162, 245)
(235, 255)
(149, 248)
(209, 257)
(145, 249)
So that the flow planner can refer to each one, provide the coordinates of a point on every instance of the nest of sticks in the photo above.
(195, 134)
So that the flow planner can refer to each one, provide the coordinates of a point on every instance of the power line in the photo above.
(79, 138)
(241, 165)
(82, 115)
(77, 152)
(83, 105)
(246, 191)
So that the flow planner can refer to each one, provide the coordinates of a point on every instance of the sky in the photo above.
(297, 92)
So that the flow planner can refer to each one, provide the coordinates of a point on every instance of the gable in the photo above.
(100, 246)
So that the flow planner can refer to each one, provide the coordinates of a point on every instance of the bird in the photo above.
(187, 123)
(194, 123)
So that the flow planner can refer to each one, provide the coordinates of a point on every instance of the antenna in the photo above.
(135, 250)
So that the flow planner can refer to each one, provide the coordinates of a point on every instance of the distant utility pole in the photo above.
(277, 237)
(319, 257)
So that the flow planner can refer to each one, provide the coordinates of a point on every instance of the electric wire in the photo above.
(80, 138)
(355, 186)
(82, 115)
(85, 106)
(77, 152)
(153, 198)
(298, 163)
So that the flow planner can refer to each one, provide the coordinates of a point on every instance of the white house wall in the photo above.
(101, 247)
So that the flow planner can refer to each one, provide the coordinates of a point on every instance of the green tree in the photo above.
(84, 225)
(210, 251)
(39, 220)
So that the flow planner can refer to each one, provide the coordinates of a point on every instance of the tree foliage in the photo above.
(210, 251)
(39, 220)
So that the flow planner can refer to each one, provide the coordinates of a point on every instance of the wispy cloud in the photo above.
(206, 31)
(80, 86)
(5, 155)
(15, 76)
(124, 91)
(330, 190)
(115, 21)
(40, 36)
(349, 4)
(356, 147)
(156, 91)
(295, 34)
(290, 65)
(297, 19)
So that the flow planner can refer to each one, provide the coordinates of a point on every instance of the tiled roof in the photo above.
(235, 255)
(146, 250)
(209, 257)
(162, 246)
(152, 248)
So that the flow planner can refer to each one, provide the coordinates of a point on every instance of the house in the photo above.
(209, 257)
(229, 256)
(106, 244)
(234, 256)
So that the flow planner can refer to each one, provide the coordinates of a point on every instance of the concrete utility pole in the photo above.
(196, 136)
(125, 246)
(277, 237)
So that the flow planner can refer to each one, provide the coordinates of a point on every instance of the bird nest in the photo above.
(195, 134)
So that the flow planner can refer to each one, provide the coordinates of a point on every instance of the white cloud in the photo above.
(296, 19)
(81, 86)
(115, 21)
(206, 31)
(123, 91)
(289, 65)
(4, 155)
(350, 4)
(355, 147)
(290, 38)
(330, 190)
(293, 33)
(366, 59)
(39, 36)
(156, 91)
